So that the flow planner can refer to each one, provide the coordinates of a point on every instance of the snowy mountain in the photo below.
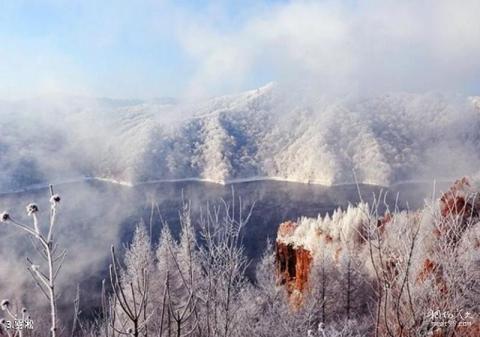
(267, 132)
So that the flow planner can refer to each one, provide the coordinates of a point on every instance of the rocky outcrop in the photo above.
(293, 264)
(460, 204)
(293, 267)
(298, 243)
(459, 209)
(451, 227)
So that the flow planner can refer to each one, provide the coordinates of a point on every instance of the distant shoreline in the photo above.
(217, 182)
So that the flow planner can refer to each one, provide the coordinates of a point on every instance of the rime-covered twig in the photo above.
(46, 282)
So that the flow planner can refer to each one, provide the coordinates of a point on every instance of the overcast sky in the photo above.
(180, 48)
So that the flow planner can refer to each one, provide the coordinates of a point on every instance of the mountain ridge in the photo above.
(268, 132)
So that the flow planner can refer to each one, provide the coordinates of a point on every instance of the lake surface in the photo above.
(94, 215)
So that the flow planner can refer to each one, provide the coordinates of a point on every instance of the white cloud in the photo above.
(369, 45)
(154, 48)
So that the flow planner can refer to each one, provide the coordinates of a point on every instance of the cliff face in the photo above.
(293, 263)
(299, 242)
(293, 267)
(449, 226)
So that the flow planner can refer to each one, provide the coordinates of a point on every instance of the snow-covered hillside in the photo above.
(267, 132)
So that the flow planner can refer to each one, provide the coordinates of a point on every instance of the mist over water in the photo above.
(95, 215)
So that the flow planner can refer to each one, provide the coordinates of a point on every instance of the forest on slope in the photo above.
(269, 132)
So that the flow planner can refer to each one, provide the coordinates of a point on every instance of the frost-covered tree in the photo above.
(136, 278)
(223, 263)
(423, 263)
(128, 306)
(44, 241)
(178, 263)
(268, 300)
(216, 150)
(366, 272)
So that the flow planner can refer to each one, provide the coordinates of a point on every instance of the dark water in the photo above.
(95, 215)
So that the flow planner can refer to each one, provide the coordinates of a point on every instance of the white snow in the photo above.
(314, 234)
(266, 133)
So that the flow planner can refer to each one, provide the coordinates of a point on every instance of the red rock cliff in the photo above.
(292, 263)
